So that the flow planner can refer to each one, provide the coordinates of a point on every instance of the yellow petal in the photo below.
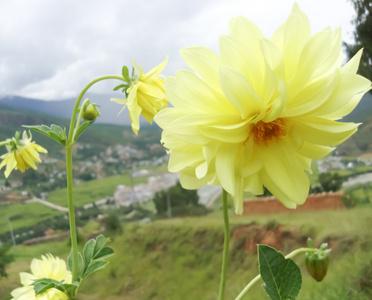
(240, 92)
(150, 76)
(353, 64)
(191, 157)
(11, 164)
(229, 134)
(350, 85)
(323, 131)
(225, 166)
(244, 28)
(188, 179)
(195, 94)
(243, 58)
(291, 37)
(204, 62)
(284, 176)
(313, 95)
(314, 151)
(138, 68)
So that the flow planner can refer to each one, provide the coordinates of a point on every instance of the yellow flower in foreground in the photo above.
(261, 111)
(48, 267)
(146, 95)
(22, 154)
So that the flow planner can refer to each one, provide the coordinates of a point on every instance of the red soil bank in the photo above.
(314, 202)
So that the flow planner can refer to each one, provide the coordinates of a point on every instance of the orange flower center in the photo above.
(264, 133)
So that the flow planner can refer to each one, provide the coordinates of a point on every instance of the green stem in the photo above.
(79, 117)
(71, 213)
(225, 256)
(4, 143)
(68, 147)
(76, 107)
(258, 277)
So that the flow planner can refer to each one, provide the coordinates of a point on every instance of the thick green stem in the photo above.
(225, 256)
(71, 213)
(68, 148)
(258, 277)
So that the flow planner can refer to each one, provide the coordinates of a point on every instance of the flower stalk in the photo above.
(226, 243)
(68, 148)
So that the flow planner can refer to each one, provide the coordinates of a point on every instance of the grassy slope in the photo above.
(180, 258)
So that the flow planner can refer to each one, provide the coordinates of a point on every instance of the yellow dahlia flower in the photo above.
(146, 95)
(22, 154)
(257, 114)
(48, 267)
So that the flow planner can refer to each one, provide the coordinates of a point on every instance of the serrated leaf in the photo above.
(282, 276)
(106, 252)
(55, 132)
(95, 266)
(125, 73)
(81, 129)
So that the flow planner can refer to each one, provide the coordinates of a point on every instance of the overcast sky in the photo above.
(50, 49)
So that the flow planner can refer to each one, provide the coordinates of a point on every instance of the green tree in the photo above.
(5, 259)
(362, 36)
(182, 201)
(330, 182)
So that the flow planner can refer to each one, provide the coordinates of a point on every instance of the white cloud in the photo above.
(52, 49)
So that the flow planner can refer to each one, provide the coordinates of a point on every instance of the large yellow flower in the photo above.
(22, 154)
(48, 267)
(261, 111)
(146, 95)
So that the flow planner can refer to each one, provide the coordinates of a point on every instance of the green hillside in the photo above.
(98, 135)
(179, 259)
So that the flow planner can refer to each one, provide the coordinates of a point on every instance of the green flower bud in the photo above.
(317, 261)
(90, 113)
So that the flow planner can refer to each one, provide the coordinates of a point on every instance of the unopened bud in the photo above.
(317, 261)
(91, 113)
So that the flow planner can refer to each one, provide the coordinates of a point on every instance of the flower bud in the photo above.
(90, 113)
(317, 261)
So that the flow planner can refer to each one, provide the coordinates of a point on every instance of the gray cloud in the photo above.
(51, 49)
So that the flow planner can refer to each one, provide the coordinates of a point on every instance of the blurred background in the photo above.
(168, 240)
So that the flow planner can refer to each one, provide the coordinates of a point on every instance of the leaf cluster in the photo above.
(93, 258)
(127, 79)
(55, 132)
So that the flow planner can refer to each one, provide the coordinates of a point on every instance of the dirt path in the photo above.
(46, 203)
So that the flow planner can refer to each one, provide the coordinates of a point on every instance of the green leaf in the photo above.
(95, 266)
(88, 252)
(101, 241)
(120, 86)
(282, 276)
(55, 132)
(81, 129)
(80, 264)
(106, 252)
(125, 73)
(44, 284)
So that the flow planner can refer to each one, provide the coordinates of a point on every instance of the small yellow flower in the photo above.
(146, 95)
(257, 114)
(48, 267)
(22, 154)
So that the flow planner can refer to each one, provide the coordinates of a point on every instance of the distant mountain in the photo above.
(98, 135)
(63, 108)
(363, 111)
(110, 109)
